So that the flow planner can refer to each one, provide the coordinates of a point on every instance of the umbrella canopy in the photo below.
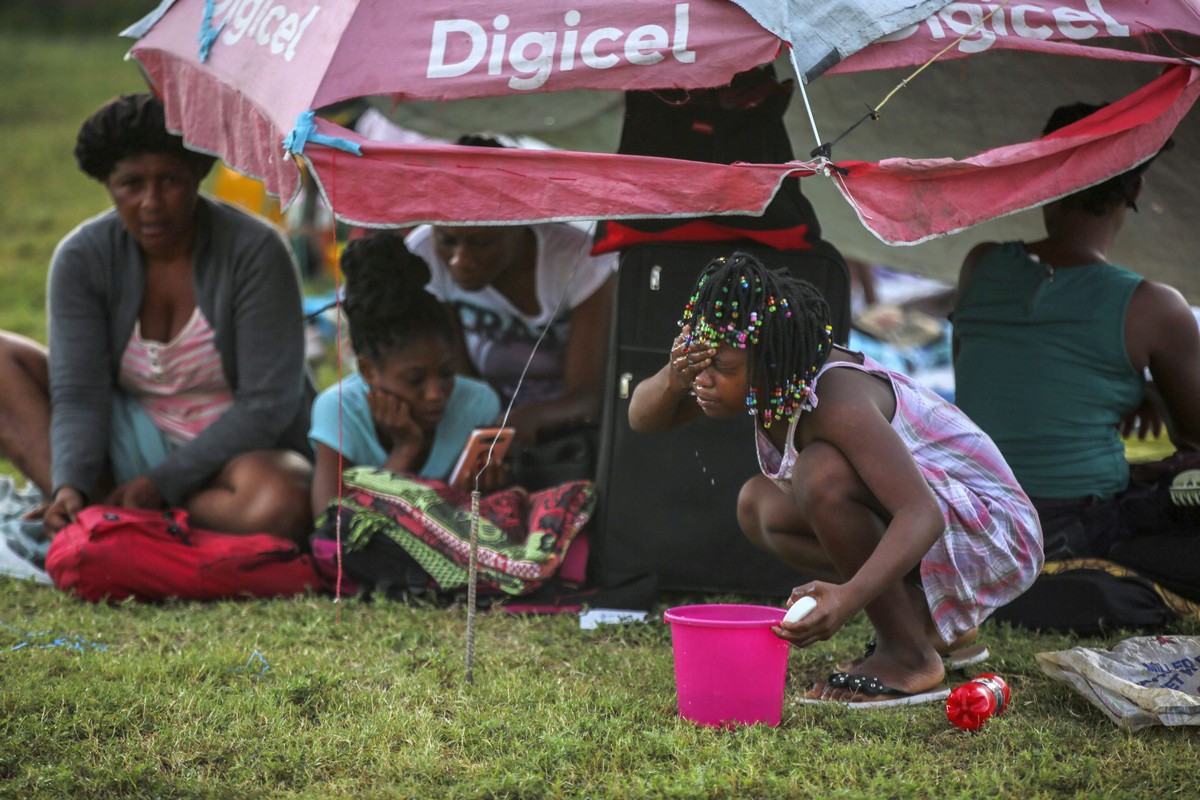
(240, 77)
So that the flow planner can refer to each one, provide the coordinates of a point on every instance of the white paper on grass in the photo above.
(594, 617)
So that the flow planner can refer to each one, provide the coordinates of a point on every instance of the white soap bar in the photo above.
(800, 609)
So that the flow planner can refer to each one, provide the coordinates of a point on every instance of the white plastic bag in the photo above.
(1143, 681)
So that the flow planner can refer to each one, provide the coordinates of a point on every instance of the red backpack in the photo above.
(112, 553)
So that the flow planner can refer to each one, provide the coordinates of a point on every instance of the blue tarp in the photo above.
(823, 32)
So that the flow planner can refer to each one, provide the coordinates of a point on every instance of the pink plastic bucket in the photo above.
(729, 668)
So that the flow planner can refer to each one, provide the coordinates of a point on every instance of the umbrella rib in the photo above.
(826, 148)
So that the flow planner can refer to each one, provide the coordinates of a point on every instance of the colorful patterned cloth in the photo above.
(522, 537)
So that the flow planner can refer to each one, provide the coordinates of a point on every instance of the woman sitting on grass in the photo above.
(404, 410)
(175, 370)
(888, 494)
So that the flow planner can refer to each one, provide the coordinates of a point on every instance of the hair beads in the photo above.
(782, 321)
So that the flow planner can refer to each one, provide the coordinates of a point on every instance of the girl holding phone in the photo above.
(405, 410)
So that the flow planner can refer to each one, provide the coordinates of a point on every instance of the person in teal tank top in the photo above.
(1052, 348)
(1042, 367)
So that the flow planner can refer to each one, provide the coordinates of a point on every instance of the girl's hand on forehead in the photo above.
(688, 359)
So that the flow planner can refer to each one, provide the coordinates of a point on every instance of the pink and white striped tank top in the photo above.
(180, 382)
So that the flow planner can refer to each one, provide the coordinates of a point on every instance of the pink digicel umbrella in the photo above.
(239, 76)
(242, 78)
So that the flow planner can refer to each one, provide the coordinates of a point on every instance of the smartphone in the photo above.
(475, 454)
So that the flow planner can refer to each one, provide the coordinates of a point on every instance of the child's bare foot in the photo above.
(959, 653)
(957, 644)
(897, 673)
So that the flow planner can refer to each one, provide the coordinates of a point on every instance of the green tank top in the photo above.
(1042, 368)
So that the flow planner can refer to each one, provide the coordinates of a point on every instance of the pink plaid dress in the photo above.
(991, 549)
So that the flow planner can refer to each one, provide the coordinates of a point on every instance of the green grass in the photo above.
(373, 702)
(370, 700)
(50, 86)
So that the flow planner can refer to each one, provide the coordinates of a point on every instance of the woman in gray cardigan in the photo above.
(175, 371)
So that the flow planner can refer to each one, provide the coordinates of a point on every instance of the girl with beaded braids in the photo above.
(404, 410)
(883, 491)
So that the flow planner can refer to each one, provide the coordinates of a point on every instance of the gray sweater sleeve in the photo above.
(81, 364)
(248, 288)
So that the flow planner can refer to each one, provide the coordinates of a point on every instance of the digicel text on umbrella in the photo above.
(644, 45)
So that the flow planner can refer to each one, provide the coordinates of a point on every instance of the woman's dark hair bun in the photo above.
(128, 125)
(1101, 198)
(481, 139)
(383, 256)
(386, 299)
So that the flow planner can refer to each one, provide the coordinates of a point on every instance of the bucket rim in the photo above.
(767, 616)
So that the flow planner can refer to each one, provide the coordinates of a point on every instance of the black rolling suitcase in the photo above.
(668, 501)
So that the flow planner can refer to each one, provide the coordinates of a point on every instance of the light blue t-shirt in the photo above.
(473, 404)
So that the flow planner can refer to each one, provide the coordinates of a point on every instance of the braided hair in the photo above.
(386, 300)
(782, 321)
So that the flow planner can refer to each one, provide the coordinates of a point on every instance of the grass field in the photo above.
(49, 87)
(303, 698)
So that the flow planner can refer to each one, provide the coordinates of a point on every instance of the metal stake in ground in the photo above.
(472, 575)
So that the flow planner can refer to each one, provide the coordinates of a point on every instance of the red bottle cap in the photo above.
(974, 702)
